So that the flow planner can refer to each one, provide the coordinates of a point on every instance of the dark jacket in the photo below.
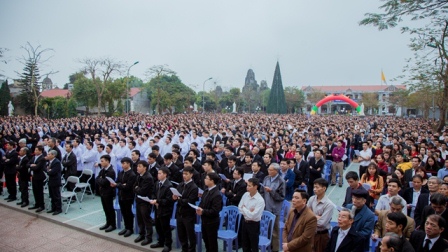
(153, 169)
(408, 196)
(70, 165)
(104, 183)
(11, 161)
(22, 169)
(54, 173)
(125, 184)
(418, 238)
(164, 198)
(427, 211)
(235, 193)
(189, 195)
(352, 242)
(175, 175)
(211, 205)
(423, 200)
(144, 187)
(38, 170)
(314, 173)
(302, 171)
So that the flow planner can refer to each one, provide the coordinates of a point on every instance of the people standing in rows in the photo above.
(236, 188)
(37, 168)
(144, 187)
(24, 177)
(337, 155)
(69, 164)
(317, 164)
(53, 171)
(9, 163)
(107, 193)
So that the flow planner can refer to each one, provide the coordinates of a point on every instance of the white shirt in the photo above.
(433, 240)
(365, 154)
(247, 203)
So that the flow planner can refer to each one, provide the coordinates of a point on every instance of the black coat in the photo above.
(189, 195)
(125, 185)
(54, 173)
(423, 200)
(11, 161)
(408, 195)
(38, 170)
(427, 211)
(70, 165)
(302, 171)
(164, 198)
(144, 187)
(153, 170)
(211, 205)
(314, 173)
(417, 240)
(22, 169)
(104, 184)
(352, 242)
(234, 194)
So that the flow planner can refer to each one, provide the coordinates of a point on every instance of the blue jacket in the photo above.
(364, 224)
(289, 183)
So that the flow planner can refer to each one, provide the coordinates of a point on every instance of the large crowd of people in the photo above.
(256, 162)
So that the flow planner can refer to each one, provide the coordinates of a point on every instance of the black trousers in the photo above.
(55, 195)
(163, 229)
(210, 235)
(126, 211)
(144, 219)
(185, 232)
(23, 188)
(251, 233)
(1, 176)
(108, 207)
(362, 170)
(38, 192)
(11, 185)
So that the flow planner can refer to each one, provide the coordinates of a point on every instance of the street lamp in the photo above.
(127, 88)
(203, 92)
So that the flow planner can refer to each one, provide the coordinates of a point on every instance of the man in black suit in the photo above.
(10, 161)
(302, 170)
(235, 188)
(430, 240)
(434, 184)
(256, 166)
(153, 165)
(185, 215)
(156, 151)
(24, 176)
(209, 208)
(125, 182)
(144, 187)
(228, 171)
(107, 192)
(408, 174)
(69, 164)
(174, 173)
(54, 182)
(37, 167)
(163, 203)
(316, 169)
(437, 206)
(53, 146)
(344, 237)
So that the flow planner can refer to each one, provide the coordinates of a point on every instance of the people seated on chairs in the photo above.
(54, 182)
(163, 202)
(125, 182)
(395, 205)
(107, 193)
(437, 206)
(300, 225)
(209, 208)
(323, 208)
(344, 237)
(391, 243)
(393, 188)
(251, 207)
(186, 215)
(430, 239)
(235, 188)
(434, 184)
(274, 193)
(364, 218)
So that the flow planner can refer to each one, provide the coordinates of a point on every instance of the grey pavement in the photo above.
(78, 230)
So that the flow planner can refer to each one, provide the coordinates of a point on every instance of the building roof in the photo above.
(134, 91)
(55, 93)
(357, 88)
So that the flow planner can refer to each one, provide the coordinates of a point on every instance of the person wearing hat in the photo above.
(364, 221)
(125, 181)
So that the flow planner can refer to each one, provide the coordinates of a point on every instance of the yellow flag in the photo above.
(383, 78)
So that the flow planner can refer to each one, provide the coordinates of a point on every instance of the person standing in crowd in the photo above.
(365, 155)
(107, 193)
(344, 236)
(69, 164)
(24, 177)
(186, 215)
(430, 240)
(338, 164)
(300, 225)
(251, 208)
(54, 182)
(317, 164)
(289, 177)
(434, 184)
(209, 208)
(125, 181)
(322, 207)
(274, 193)
(9, 162)
(144, 187)
(37, 167)
(235, 188)
(163, 203)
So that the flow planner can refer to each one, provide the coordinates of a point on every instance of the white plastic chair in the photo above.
(84, 185)
(70, 194)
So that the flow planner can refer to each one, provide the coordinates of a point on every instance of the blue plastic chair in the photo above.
(283, 214)
(118, 210)
(173, 224)
(134, 211)
(224, 200)
(374, 244)
(230, 233)
(333, 224)
(266, 230)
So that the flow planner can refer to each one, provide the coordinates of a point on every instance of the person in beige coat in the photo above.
(300, 225)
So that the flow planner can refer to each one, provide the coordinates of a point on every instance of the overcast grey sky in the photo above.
(316, 42)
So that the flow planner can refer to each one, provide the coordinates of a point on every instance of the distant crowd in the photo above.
(282, 164)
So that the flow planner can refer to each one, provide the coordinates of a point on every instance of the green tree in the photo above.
(5, 98)
(277, 103)
(370, 101)
(294, 99)
(84, 92)
(315, 96)
(399, 98)
(115, 91)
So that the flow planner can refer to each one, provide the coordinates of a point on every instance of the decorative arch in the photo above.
(335, 97)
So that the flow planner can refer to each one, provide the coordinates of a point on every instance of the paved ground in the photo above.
(78, 230)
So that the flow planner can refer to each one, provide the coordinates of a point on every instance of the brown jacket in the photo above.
(380, 226)
(304, 231)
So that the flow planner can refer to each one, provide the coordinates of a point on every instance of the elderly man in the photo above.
(437, 206)
(391, 243)
(300, 225)
(393, 187)
(274, 194)
(434, 185)
(396, 205)
(344, 237)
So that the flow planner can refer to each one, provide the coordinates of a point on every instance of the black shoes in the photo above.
(146, 242)
(33, 207)
(19, 203)
(25, 204)
(139, 238)
(128, 233)
(166, 249)
(57, 212)
(40, 209)
(156, 245)
(122, 232)
(340, 185)
(104, 227)
(110, 229)
(50, 211)
(10, 200)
